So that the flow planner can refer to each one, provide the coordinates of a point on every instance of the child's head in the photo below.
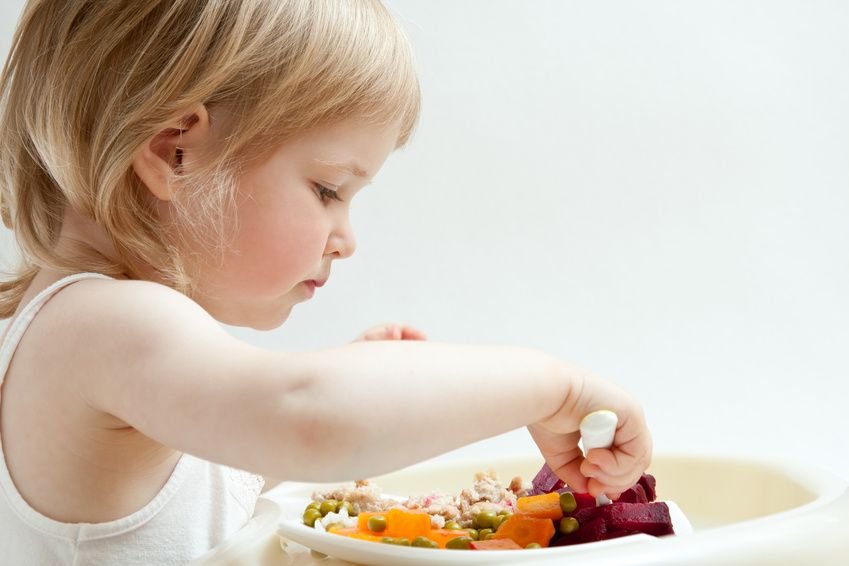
(148, 120)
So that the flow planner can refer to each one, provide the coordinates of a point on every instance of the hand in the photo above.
(609, 471)
(391, 332)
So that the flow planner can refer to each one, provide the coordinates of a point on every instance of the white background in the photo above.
(656, 190)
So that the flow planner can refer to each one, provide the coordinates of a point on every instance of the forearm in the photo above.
(371, 407)
(347, 412)
(353, 411)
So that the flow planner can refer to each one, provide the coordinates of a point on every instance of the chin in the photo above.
(272, 321)
(265, 320)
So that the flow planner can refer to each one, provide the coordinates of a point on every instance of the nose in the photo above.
(342, 243)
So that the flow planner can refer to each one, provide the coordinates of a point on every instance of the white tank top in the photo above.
(200, 505)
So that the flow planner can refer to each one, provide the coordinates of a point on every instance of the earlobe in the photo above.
(164, 155)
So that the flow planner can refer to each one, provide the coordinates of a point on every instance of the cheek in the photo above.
(276, 247)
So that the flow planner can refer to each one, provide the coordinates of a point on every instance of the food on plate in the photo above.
(489, 515)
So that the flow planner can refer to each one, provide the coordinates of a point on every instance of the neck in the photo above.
(82, 237)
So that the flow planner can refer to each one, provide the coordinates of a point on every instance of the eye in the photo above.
(326, 194)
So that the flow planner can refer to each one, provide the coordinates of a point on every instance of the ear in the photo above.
(165, 154)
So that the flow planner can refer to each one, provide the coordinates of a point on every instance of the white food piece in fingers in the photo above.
(597, 431)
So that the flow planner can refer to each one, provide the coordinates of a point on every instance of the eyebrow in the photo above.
(351, 168)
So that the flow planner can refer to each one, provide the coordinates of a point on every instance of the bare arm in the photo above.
(166, 368)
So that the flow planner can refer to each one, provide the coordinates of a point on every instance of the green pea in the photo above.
(402, 541)
(452, 526)
(569, 525)
(483, 532)
(424, 542)
(314, 505)
(489, 536)
(484, 519)
(377, 523)
(459, 543)
(473, 533)
(348, 506)
(505, 512)
(534, 545)
(327, 506)
(498, 521)
(568, 503)
(311, 516)
(387, 540)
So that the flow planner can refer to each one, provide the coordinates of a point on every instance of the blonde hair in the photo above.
(87, 82)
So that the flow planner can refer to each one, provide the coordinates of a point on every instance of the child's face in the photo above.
(290, 229)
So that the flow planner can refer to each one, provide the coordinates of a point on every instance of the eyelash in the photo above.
(326, 194)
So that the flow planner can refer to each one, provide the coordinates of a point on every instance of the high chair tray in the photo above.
(743, 511)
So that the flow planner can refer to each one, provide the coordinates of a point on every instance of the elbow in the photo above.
(320, 435)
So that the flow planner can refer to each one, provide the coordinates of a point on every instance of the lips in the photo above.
(313, 284)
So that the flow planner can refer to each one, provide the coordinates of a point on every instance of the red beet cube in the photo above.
(592, 531)
(635, 494)
(587, 514)
(584, 500)
(546, 481)
(649, 518)
(649, 486)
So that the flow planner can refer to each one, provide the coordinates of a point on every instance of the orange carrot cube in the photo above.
(524, 529)
(545, 506)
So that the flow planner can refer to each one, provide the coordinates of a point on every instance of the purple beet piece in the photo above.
(592, 531)
(587, 514)
(649, 486)
(562, 540)
(649, 518)
(546, 481)
(635, 494)
(584, 500)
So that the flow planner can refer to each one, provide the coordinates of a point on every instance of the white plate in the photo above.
(373, 553)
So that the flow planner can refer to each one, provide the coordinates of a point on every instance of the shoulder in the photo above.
(102, 331)
(135, 353)
(103, 311)
(118, 298)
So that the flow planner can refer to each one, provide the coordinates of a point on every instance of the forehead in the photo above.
(351, 167)
(352, 147)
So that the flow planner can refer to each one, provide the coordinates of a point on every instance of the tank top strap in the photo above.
(20, 323)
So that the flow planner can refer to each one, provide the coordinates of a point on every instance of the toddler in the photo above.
(169, 165)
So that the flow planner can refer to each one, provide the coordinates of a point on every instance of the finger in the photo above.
(620, 478)
(376, 333)
(562, 454)
(609, 484)
(596, 488)
(631, 450)
(603, 458)
(410, 333)
(614, 462)
(570, 472)
(590, 470)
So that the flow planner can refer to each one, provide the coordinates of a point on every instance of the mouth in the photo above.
(313, 284)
